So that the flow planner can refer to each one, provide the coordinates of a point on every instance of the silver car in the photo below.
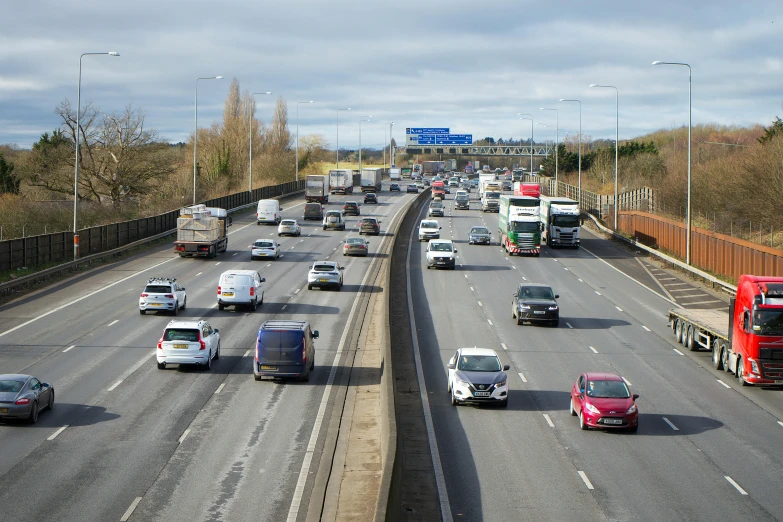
(23, 396)
(479, 236)
(162, 294)
(289, 227)
(356, 246)
(325, 274)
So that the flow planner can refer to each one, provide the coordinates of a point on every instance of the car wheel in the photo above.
(254, 305)
(504, 404)
(51, 400)
(185, 303)
(176, 309)
(161, 366)
(634, 429)
(309, 287)
(571, 409)
(221, 306)
(208, 364)
(142, 312)
(582, 424)
(257, 377)
(217, 352)
(717, 355)
(453, 399)
(33, 417)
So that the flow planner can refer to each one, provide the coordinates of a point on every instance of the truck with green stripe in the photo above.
(519, 224)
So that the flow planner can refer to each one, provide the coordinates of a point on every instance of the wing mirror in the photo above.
(635, 396)
(506, 367)
(183, 289)
(315, 334)
(451, 366)
(557, 296)
(515, 294)
(455, 250)
(230, 221)
(281, 209)
(217, 330)
(263, 279)
(440, 228)
(342, 268)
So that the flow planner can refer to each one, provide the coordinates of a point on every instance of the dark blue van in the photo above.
(285, 349)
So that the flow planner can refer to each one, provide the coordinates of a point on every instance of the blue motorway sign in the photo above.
(413, 131)
(453, 139)
(426, 140)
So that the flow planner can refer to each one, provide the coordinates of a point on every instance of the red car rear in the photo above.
(602, 400)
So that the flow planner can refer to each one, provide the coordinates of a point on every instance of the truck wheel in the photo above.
(690, 342)
(717, 355)
(678, 329)
(685, 329)
(741, 372)
(725, 357)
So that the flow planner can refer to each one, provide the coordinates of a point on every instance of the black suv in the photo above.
(535, 303)
(351, 207)
(369, 225)
(370, 197)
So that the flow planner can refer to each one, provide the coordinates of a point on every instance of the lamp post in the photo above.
(546, 140)
(360, 139)
(688, 204)
(76, 165)
(557, 139)
(195, 131)
(250, 125)
(297, 136)
(391, 151)
(532, 125)
(579, 178)
(616, 142)
(338, 135)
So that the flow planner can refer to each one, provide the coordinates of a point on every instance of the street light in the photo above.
(579, 178)
(391, 151)
(297, 136)
(360, 139)
(616, 142)
(338, 135)
(557, 139)
(530, 117)
(688, 204)
(546, 140)
(76, 166)
(250, 125)
(195, 133)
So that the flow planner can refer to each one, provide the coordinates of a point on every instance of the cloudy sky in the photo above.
(470, 66)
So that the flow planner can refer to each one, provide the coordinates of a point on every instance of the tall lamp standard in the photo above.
(579, 178)
(76, 166)
(250, 126)
(616, 143)
(338, 135)
(391, 151)
(688, 211)
(546, 140)
(297, 136)
(360, 139)
(557, 140)
(532, 125)
(195, 131)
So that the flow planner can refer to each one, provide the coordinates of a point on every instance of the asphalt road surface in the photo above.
(706, 449)
(178, 444)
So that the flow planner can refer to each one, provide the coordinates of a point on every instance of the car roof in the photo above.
(286, 324)
(429, 221)
(334, 263)
(542, 285)
(351, 203)
(602, 376)
(441, 241)
(14, 376)
(239, 272)
(477, 351)
(184, 324)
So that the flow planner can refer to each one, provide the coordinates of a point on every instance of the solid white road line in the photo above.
(504, 346)
(220, 388)
(678, 351)
(737, 486)
(184, 434)
(646, 328)
(672, 426)
(113, 322)
(54, 435)
(627, 382)
(521, 376)
(69, 348)
(549, 421)
(676, 284)
(489, 321)
(115, 385)
(586, 480)
(130, 510)
(702, 302)
(594, 350)
(724, 384)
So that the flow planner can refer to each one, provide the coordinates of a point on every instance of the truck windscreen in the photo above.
(768, 322)
(565, 221)
(493, 195)
(524, 226)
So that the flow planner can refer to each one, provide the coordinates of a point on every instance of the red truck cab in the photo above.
(756, 330)
(438, 190)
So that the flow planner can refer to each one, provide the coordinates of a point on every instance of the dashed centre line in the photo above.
(479, 303)
(220, 388)
(549, 421)
(199, 274)
(586, 480)
(646, 328)
(184, 434)
(678, 351)
(593, 349)
(736, 486)
(521, 376)
(69, 348)
(724, 384)
(113, 386)
(54, 435)
(130, 509)
(489, 321)
(506, 348)
(113, 322)
(672, 426)
(619, 309)
(569, 325)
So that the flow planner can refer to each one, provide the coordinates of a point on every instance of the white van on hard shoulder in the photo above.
(240, 288)
(268, 211)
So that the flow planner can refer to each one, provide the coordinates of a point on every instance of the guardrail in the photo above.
(45, 274)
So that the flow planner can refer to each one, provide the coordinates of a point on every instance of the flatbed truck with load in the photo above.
(201, 231)
(341, 181)
(317, 188)
(560, 221)
(748, 339)
(519, 225)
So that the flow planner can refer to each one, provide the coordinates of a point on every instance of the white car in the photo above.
(264, 248)
(240, 288)
(162, 294)
(441, 254)
(289, 227)
(188, 342)
(429, 229)
(325, 274)
(477, 376)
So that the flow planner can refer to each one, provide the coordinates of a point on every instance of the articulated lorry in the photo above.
(371, 180)
(748, 339)
(317, 188)
(395, 174)
(433, 167)
(560, 219)
(341, 181)
(519, 225)
(201, 231)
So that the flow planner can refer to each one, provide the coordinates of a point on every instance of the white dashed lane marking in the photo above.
(69, 348)
(724, 384)
(678, 351)
(593, 349)
(549, 421)
(521, 376)
(672, 426)
(113, 386)
(587, 482)
(113, 322)
(220, 388)
(54, 435)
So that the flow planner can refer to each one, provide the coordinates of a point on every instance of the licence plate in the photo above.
(3, 410)
(778, 381)
(181, 346)
(481, 394)
(155, 304)
(323, 280)
(268, 367)
(538, 312)
(613, 421)
(228, 294)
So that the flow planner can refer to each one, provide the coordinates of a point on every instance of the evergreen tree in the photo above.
(9, 184)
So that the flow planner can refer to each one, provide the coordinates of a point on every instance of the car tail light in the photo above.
(144, 295)
(170, 296)
(252, 291)
(218, 290)
(362, 246)
(160, 343)
(201, 342)
(304, 356)
(22, 401)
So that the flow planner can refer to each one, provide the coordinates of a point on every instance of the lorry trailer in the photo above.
(201, 231)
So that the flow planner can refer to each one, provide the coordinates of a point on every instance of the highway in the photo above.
(127, 441)
(706, 448)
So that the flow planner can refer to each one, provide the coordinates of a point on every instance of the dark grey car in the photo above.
(23, 396)
(479, 236)
(535, 303)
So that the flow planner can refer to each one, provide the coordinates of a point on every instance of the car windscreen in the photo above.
(429, 224)
(280, 339)
(333, 218)
(441, 247)
(350, 204)
(323, 268)
(536, 292)
(355, 241)
(264, 244)
(288, 222)
(479, 363)
(436, 204)
(11, 386)
(607, 390)
(369, 222)
(479, 230)
(157, 289)
(180, 334)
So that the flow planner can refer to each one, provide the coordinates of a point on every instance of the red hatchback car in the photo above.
(602, 400)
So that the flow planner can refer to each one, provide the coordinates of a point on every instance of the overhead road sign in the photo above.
(453, 139)
(413, 131)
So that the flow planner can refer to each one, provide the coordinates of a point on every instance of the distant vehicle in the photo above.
(333, 220)
(453, 182)
(602, 400)
(24, 396)
(479, 235)
(240, 288)
(395, 174)
(289, 227)
(264, 248)
(317, 188)
(394, 187)
(438, 189)
(560, 221)
(370, 197)
(325, 274)
(371, 179)
(162, 294)
(356, 246)
(436, 209)
(462, 200)
(425, 183)
(351, 207)
(507, 186)
(417, 169)
(268, 211)
(440, 254)
(412, 188)
(285, 349)
(536, 303)
(429, 229)
(188, 342)
(341, 181)
(477, 376)
(201, 231)
(313, 211)
(369, 225)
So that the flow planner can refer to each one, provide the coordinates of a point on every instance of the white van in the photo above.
(240, 287)
(268, 211)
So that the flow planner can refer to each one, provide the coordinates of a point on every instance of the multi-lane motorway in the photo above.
(705, 449)
(128, 441)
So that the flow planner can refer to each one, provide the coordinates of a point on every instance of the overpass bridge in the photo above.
(479, 150)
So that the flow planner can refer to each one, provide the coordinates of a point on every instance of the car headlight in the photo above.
(632, 409)
(754, 366)
(500, 384)
(553, 307)
(459, 382)
(524, 306)
(592, 409)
